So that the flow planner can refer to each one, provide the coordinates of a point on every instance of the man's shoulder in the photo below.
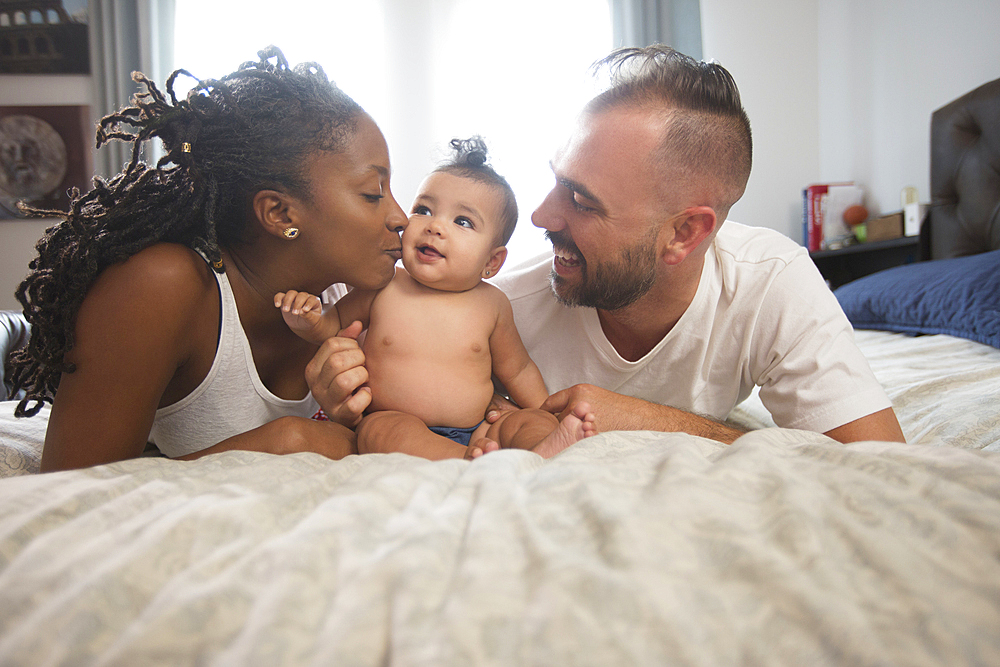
(527, 278)
(741, 243)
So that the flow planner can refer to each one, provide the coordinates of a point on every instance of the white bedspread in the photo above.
(944, 390)
(629, 548)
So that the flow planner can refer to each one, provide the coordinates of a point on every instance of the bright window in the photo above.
(515, 72)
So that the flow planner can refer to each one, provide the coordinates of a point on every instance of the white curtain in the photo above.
(125, 36)
(427, 70)
(676, 23)
(515, 72)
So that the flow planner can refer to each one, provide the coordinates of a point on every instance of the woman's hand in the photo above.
(337, 377)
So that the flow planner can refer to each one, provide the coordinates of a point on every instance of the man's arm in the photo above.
(618, 413)
(881, 425)
(615, 412)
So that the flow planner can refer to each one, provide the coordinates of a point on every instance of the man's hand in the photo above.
(498, 407)
(337, 375)
(615, 411)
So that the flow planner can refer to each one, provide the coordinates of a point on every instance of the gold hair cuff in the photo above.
(185, 147)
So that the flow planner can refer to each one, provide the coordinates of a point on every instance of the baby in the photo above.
(437, 333)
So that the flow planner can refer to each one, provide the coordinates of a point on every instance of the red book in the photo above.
(814, 212)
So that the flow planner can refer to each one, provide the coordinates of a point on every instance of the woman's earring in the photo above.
(290, 232)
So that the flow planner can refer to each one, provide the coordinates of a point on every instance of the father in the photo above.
(653, 310)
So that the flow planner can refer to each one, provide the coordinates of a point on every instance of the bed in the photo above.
(628, 548)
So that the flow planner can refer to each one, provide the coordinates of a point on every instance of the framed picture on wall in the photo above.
(42, 155)
(44, 37)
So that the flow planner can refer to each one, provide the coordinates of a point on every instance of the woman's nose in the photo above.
(396, 220)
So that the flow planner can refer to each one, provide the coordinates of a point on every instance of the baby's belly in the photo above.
(449, 393)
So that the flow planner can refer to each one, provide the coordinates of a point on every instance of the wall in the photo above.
(770, 49)
(885, 67)
(18, 237)
(835, 89)
(844, 90)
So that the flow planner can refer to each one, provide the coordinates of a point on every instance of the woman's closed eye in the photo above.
(375, 198)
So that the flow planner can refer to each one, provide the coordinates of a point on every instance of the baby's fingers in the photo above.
(297, 303)
(285, 300)
(306, 303)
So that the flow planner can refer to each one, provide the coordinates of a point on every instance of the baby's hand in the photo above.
(301, 311)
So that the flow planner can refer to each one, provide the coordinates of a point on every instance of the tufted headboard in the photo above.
(964, 216)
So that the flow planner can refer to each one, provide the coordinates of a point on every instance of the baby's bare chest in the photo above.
(447, 326)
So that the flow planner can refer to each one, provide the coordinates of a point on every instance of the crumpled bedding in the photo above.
(944, 390)
(785, 548)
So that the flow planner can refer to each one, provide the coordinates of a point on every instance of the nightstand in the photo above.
(854, 261)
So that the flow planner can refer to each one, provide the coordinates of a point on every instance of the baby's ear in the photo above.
(496, 260)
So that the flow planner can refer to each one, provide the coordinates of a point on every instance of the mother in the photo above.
(152, 303)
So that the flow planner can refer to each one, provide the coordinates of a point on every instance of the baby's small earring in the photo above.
(488, 272)
(290, 232)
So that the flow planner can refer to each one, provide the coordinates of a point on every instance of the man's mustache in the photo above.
(561, 240)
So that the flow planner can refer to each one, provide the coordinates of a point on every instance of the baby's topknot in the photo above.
(469, 152)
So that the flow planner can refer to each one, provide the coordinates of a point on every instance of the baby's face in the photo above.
(452, 233)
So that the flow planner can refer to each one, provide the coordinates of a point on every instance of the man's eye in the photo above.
(578, 206)
(421, 210)
(464, 222)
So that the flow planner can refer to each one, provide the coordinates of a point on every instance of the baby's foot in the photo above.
(575, 426)
(480, 447)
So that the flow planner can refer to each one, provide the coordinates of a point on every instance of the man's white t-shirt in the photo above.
(762, 315)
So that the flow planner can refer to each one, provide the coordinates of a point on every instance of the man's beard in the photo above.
(615, 283)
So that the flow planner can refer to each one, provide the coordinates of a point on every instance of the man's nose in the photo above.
(547, 216)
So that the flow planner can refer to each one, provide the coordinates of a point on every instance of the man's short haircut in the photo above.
(470, 160)
(708, 131)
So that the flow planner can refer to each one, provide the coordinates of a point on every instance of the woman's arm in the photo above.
(145, 335)
(289, 435)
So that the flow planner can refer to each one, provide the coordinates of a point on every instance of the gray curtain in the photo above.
(676, 23)
(126, 35)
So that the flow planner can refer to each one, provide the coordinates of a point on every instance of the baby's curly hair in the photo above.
(471, 160)
(226, 140)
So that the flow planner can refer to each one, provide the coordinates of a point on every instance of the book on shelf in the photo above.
(823, 206)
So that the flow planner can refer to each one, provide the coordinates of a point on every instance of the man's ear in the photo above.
(497, 258)
(688, 231)
(275, 211)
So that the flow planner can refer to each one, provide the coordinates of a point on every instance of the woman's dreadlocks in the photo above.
(228, 139)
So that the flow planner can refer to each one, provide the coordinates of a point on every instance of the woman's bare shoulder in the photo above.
(165, 283)
(168, 270)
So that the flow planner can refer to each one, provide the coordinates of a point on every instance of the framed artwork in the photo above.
(44, 37)
(42, 154)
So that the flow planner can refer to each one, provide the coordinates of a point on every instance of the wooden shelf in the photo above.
(855, 261)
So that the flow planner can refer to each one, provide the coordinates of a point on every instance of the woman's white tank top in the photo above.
(229, 401)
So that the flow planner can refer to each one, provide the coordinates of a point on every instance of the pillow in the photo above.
(959, 297)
